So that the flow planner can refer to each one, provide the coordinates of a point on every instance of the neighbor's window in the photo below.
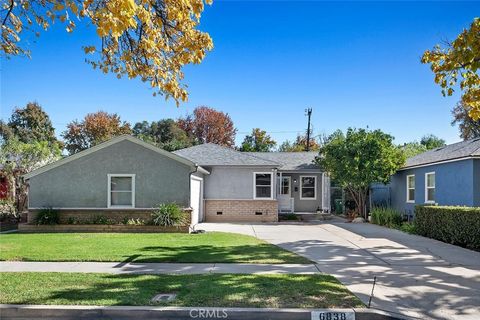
(121, 190)
(411, 188)
(430, 187)
(263, 185)
(308, 187)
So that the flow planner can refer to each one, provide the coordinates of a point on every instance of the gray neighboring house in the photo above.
(447, 175)
(129, 177)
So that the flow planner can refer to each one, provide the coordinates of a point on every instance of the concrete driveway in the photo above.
(416, 276)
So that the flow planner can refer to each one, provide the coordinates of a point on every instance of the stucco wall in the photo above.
(305, 205)
(82, 183)
(453, 185)
(231, 182)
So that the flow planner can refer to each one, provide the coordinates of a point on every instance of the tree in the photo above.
(432, 142)
(165, 133)
(207, 125)
(358, 159)
(411, 149)
(148, 39)
(460, 58)
(92, 130)
(299, 145)
(258, 141)
(469, 128)
(30, 124)
(19, 158)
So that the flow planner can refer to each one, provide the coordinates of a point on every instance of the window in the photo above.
(284, 185)
(308, 187)
(263, 185)
(411, 188)
(121, 190)
(430, 187)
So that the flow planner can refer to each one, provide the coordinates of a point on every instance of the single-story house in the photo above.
(129, 177)
(448, 175)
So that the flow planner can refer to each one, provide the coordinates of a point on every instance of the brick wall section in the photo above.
(115, 215)
(241, 210)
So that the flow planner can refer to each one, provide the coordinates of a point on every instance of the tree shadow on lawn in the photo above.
(259, 253)
(219, 290)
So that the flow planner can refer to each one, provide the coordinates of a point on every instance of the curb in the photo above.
(18, 311)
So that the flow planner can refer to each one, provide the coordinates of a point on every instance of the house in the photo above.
(448, 175)
(126, 176)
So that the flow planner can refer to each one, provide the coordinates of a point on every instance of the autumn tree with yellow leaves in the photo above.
(147, 39)
(459, 62)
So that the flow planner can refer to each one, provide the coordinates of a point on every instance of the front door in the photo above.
(284, 194)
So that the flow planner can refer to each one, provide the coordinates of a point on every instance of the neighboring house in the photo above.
(447, 175)
(129, 177)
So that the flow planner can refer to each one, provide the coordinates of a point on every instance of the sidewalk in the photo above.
(157, 268)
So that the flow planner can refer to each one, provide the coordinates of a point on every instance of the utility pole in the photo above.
(308, 113)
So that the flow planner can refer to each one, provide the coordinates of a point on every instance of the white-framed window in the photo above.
(430, 187)
(308, 187)
(284, 185)
(262, 185)
(411, 188)
(121, 191)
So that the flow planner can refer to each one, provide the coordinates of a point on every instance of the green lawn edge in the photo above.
(207, 290)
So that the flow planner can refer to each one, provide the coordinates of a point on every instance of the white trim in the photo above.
(408, 189)
(314, 188)
(426, 186)
(107, 144)
(439, 162)
(109, 188)
(255, 185)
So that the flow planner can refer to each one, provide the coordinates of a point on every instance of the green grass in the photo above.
(211, 290)
(138, 247)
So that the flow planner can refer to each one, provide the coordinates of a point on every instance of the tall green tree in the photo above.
(359, 158)
(258, 141)
(19, 158)
(411, 149)
(95, 128)
(165, 133)
(30, 124)
(469, 128)
(299, 145)
(431, 141)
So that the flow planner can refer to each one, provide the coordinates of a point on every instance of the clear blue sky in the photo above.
(354, 63)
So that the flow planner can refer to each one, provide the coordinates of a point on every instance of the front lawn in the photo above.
(138, 247)
(210, 290)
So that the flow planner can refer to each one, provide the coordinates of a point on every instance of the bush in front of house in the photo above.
(8, 211)
(455, 225)
(47, 216)
(387, 217)
(168, 215)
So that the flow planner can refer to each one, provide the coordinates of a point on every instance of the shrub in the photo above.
(47, 216)
(99, 220)
(408, 228)
(169, 214)
(455, 225)
(134, 222)
(387, 217)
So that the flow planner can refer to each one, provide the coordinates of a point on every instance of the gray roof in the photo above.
(464, 149)
(210, 154)
(290, 160)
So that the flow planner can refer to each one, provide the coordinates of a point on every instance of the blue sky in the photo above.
(355, 63)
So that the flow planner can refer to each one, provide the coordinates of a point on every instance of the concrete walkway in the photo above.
(157, 268)
(416, 276)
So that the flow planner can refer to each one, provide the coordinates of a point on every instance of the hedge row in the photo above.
(455, 225)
